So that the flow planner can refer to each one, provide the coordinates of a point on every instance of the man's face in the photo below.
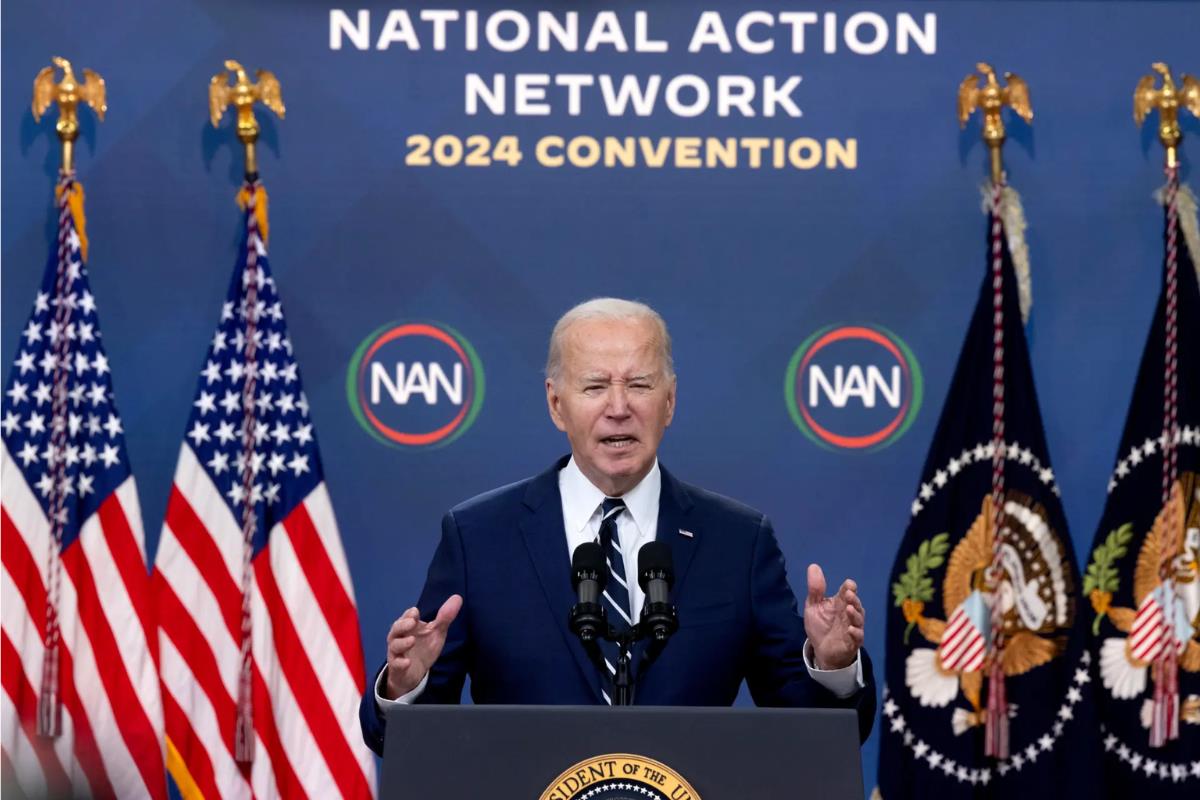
(613, 399)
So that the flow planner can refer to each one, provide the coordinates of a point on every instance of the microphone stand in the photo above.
(623, 679)
(589, 621)
(659, 617)
(624, 638)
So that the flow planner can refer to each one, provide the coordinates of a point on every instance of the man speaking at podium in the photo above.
(499, 590)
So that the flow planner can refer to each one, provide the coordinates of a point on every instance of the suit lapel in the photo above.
(546, 540)
(674, 528)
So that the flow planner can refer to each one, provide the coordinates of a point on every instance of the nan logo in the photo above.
(415, 384)
(853, 387)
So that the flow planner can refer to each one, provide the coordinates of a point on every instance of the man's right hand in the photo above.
(413, 646)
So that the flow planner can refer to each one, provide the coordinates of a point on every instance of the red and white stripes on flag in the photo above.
(962, 647)
(250, 443)
(1152, 635)
(111, 740)
(78, 632)
(306, 663)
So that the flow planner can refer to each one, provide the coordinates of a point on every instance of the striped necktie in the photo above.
(616, 594)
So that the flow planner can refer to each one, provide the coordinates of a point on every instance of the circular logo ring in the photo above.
(443, 435)
(888, 433)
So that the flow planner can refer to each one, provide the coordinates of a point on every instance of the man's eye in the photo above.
(640, 387)
(592, 388)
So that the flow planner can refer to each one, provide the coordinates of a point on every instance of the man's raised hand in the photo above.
(413, 646)
(834, 624)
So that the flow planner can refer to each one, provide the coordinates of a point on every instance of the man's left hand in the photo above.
(834, 624)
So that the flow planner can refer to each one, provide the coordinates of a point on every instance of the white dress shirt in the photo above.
(581, 518)
(636, 527)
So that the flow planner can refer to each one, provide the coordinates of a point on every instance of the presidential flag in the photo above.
(987, 677)
(81, 707)
(261, 660)
(1143, 577)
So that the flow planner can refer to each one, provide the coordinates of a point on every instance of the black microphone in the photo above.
(589, 574)
(656, 576)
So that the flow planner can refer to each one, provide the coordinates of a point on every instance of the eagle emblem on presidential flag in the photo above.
(1166, 590)
(1035, 592)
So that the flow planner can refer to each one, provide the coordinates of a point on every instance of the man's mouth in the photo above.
(618, 441)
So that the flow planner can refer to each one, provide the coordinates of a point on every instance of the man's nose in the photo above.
(618, 401)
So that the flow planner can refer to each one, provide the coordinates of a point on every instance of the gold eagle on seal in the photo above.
(1166, 589)
(1036, 594)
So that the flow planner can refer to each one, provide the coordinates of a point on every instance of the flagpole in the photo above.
(1166, 101)
(66, 94)
(1164, 720)
(990, 100)
(252, 197)
(242, 95)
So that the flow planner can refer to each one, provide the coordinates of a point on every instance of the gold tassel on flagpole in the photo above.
(260, 205)
(75, 205)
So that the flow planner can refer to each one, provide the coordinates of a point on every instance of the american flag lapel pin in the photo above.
(686, 533)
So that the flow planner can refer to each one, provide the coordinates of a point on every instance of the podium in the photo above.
(633, 753)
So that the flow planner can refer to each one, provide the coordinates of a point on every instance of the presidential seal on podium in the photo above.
(619, 776)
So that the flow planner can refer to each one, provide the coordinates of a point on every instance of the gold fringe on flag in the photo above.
(1185, 202)
(260, 206)
(1012, 214)
(75, 202)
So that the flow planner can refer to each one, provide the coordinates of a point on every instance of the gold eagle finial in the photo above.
(243, 94)
(1167, 100)
(990, 99)
(67, 93)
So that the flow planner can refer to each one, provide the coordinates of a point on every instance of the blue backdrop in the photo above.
(744, 263)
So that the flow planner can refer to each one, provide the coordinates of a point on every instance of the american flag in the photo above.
(78, 623)
(249, 489)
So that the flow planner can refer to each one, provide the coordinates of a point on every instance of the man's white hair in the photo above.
(609, 308)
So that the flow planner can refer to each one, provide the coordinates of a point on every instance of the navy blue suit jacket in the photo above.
(506, 553)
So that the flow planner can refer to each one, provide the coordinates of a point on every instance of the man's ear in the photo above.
(553, 403)
(671, 400)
